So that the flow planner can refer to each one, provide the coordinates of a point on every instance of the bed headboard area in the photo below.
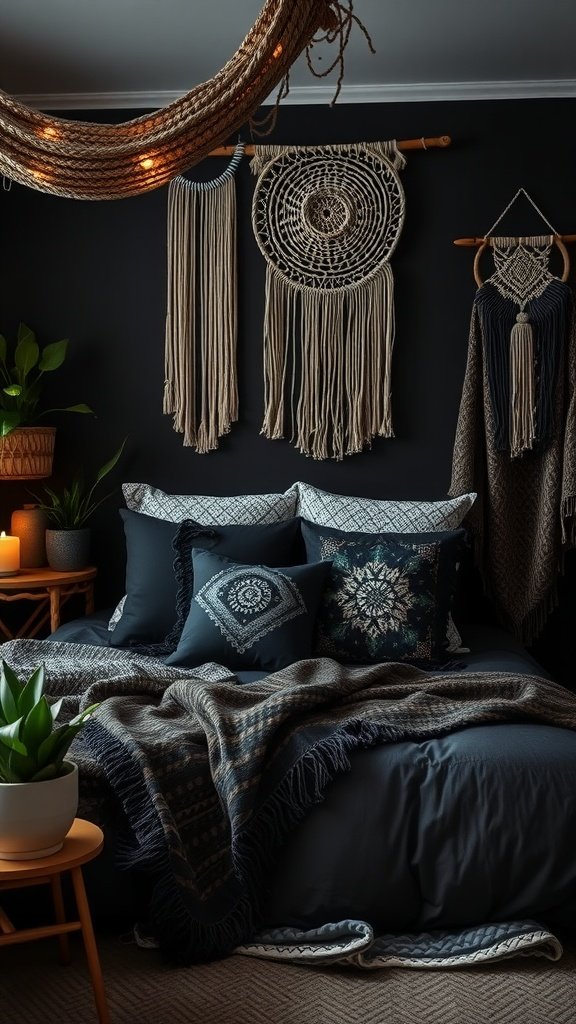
(96, 272)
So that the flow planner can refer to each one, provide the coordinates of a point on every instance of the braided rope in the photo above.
(79, 159)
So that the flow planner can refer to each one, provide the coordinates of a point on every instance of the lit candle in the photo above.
(9, 555)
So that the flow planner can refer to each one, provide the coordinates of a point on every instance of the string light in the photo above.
(105, 161)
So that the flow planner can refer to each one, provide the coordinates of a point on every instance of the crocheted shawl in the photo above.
(524, 517)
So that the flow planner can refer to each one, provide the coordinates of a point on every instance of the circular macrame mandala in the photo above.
(327, 219)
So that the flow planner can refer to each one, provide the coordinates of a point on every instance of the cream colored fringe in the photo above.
(201, 388)
(523, 403)
(336, 349)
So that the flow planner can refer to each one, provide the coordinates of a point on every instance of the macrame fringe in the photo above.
(201, 388)
(568, 517)
(333, 352)
(522, 403)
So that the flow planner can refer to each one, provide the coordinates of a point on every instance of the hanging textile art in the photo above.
(516, 435)
(200, 388)
(327, 219)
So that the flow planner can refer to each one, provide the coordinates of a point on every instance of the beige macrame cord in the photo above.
(201, 388)
(327, 220)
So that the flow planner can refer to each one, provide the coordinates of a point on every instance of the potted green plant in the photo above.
(38, 785)
(26, 448)
(68, 513)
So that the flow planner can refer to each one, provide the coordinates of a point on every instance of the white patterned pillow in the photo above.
(211, 510)
(373, 515)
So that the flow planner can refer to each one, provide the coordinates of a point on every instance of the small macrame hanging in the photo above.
(327, 219)
(522, 301)
(200, 388)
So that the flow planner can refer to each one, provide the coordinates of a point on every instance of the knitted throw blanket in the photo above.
(212, 775)
(524, 517)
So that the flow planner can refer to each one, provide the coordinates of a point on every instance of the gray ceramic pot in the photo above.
(68, 550)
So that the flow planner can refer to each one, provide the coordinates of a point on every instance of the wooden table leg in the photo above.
(54, 593)
(90, 946)
(60, 917)
(90, 598)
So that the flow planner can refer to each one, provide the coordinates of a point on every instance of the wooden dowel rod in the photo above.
(439, 141)
(481, 241)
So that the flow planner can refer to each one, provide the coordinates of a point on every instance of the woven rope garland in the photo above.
(327, 220)
(201, 388)
(85, 160)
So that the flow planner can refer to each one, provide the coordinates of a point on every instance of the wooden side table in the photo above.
(50, 590)
(83, 842)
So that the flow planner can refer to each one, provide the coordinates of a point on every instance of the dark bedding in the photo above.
(449, 831)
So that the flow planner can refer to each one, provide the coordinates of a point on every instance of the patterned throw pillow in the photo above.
(372, 515)
(387, 598)
(249, 616)
(158, 557)
(211, 510)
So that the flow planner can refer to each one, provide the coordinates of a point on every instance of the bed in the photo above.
(303, 796)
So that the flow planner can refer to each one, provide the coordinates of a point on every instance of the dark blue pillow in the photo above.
(158, 565)
(388, 595)
(249, 616)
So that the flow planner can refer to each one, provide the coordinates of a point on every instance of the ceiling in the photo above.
(143, 53)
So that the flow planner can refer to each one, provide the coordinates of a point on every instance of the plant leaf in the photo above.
(37, 726)
(53, 355)
(9, 737)
(55, 708)
(10, 690)
(14, 390)
(31, 692)
(9, 420)
(26, 353)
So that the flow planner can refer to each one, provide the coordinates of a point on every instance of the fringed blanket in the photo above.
(212, 775)
(525, 513)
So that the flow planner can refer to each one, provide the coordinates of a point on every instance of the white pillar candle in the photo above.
(9, 555)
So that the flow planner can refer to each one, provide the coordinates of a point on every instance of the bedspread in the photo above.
(212, 775)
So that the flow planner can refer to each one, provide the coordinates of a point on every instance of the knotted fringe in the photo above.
(522, 396)
(522, 363)
(201, 389)
(331, 353)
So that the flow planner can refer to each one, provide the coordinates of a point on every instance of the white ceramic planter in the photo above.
(36, 816)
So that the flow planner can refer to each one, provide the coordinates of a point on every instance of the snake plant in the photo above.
(32, 746)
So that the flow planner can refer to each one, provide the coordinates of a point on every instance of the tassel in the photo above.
(522, 428)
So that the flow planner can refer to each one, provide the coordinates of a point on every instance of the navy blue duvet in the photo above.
(476, 826)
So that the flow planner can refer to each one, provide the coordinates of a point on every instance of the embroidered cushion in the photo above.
(372, 515)
(211, 510)
(249, 616)
(149, 613)
(387, 596)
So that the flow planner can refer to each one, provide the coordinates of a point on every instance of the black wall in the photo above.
(96, 273)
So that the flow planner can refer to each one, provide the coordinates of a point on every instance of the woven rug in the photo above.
(35, 989)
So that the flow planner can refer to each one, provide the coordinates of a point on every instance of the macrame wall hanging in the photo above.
(327, 219)
(516, 435)
(201, 390)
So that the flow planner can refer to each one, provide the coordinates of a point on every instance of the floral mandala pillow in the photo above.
(389, 600)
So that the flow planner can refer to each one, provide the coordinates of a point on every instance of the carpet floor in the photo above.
(36, 989)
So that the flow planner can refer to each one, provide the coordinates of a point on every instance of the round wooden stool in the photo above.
(83, 842)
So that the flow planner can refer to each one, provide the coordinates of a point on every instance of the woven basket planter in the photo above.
(27, 453)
